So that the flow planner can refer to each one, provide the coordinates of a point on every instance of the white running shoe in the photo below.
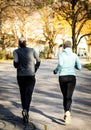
(67, 118)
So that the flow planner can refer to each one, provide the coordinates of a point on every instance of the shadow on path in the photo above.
(53, 119)
(33, 109)
(11, 121)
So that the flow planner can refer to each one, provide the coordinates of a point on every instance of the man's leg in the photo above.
(21, 83)
(30, 83)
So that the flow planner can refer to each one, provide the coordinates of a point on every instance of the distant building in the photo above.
(82, 48)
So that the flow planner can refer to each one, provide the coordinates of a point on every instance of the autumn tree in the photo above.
(13, 15)
(76, 13)
(51, 25)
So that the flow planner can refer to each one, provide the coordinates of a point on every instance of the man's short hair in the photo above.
(22, 42)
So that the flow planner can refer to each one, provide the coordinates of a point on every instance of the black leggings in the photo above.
(26, 86)
(67, 86)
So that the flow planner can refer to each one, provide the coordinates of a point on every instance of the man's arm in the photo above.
(16, 60)
(38, 61)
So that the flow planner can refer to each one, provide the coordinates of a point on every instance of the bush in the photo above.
(9, 56)
(43, 54)
(5, 56)
(88, 66)
(2, 54)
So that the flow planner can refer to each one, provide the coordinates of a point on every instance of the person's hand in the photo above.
(54, 72)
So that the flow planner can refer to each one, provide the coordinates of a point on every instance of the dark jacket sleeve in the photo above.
(16, 64)
(37, 61)
(37, 66)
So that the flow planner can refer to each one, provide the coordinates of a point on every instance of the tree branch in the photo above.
(88, 34)
(80, 28)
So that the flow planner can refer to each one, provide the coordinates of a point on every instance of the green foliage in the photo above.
(88, 66)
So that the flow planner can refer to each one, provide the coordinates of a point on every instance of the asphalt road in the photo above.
(46, 111)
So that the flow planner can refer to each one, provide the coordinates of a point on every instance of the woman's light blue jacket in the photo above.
(67, 63)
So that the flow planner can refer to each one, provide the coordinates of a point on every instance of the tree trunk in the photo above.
(49, 55)
(50, 50)
(0, 25)
(74, 40)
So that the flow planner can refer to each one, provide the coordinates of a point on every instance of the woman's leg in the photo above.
(70, 89)
(67, 85)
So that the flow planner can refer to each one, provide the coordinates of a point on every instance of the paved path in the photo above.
(46, 111)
